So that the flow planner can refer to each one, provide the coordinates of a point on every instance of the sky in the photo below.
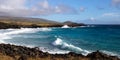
(82, 11)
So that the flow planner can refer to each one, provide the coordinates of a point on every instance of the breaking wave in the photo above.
(110, 53)
(60, 43)
(53, 51)
(10, 32)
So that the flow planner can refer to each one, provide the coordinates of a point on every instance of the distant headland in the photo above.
(24, 22)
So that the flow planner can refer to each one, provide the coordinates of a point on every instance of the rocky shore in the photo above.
(14, 25)
(12, 52)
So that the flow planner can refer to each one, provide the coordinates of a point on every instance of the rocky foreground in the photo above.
(12, 52)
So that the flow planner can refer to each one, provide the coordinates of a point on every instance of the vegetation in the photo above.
(18, 22)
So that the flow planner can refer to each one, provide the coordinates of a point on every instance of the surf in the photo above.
(9, 32)
(63, 45)
(65, 26)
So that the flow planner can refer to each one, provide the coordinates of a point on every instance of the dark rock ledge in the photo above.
(12, 52)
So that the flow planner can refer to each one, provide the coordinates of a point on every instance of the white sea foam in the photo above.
(70, 47)
(64, 45)
(53, 51)
(30, 36)
(10, 32)
(83, 26)
(65, 26)
(3, 38)
(45, 29)
(110, 53)
(87, 26)
(90, 26)
(19, 31)
(26, 30)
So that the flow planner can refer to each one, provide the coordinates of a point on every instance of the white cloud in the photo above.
(14, 4)
(82, 9)
(92, 19)
(116, 3)
(58, 10)
(19, 8)
(44, 4)
(111, 14)
(64, 9)
(13, 7)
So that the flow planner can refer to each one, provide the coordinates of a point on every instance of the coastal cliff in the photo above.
(12, 52)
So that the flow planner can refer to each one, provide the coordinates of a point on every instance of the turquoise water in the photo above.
(105, 38)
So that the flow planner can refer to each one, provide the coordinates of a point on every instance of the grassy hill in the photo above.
(27, 22)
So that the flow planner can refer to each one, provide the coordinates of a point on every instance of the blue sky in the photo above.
(83, 11)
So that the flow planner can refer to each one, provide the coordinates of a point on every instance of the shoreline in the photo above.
(4, 25)
(14, 52)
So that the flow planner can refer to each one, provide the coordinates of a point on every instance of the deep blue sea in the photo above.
(84, 40)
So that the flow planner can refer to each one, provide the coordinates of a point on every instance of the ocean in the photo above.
(81, 40)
